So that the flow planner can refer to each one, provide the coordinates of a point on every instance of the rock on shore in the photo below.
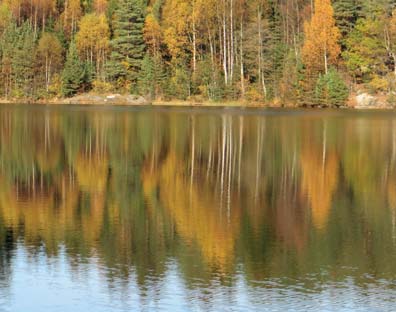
(367, 101)
(112, 99)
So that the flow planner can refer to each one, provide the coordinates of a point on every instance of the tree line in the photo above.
(303, 52)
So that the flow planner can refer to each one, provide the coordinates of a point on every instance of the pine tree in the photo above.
(375, 8)
(23, 60)
(73, 73)
(346, 13)
(147, 77)
(274, 49)
(128, 47)
(331, 89)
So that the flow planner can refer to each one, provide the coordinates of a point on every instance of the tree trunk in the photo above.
(241, 65)
(325, 60)
(225, 46)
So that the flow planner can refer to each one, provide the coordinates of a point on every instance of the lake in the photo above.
(150, 209)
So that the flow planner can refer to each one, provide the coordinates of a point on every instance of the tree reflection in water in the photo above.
(270, 195)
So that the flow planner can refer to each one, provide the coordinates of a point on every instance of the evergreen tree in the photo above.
(331, 89)
(23, 56)
(252, 49)
(73, 73)
(179, 84)
(346, 13)
(376, 8)
(147, 77)
(128, 46)
(274, 49)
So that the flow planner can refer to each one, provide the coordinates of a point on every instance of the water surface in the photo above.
(121, 209)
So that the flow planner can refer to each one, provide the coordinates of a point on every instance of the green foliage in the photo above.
(101, 87)
(346, 13)
(391, 100)
(74, 73)
(147, 77)
(274, 49)
(375, 8)
(128, 46)
(5, 16)
(207, 81)
(331, 89)
(180, 83)
(23, 57)
(366, 50)
(178, 49)
(292, 80)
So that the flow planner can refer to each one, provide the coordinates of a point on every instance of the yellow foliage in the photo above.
(378, 84)
(71, 15)
(319, 181)
(102, 87)
(321, 38)
(197, 216)
(176, 15)
(92, 40)
(55, 87)
(50, 159)
(152, 33)
(254, 95)
(91, 173)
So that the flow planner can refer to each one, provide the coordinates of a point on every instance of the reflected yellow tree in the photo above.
(319, 166)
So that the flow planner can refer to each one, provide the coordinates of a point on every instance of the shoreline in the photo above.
(135, 101)
(123, 101)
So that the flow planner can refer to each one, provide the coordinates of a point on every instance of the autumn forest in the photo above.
(295, 52)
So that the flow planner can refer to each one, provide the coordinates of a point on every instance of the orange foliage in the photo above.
(197, 217)
(100, 6)
(152, 33)
(319, 182)
(321, 47)
(39, 213)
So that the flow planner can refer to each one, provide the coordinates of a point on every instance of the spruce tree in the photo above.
(331, 89)
(274, 48)
(377, 8)
(147, 77)
(346, 13)
(73, 73)
(22, 57)
(128, 46)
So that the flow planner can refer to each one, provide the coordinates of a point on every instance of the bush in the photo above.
(331, 90)
(102, 87)
(378, 84)
(254, 95)
(55, 88)
(391, 100)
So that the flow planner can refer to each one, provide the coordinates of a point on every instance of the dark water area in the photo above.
(128, 209)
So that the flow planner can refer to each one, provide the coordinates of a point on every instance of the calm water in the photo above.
(121, 209)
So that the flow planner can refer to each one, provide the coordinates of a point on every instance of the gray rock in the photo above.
(366, 100)
(111, 99)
